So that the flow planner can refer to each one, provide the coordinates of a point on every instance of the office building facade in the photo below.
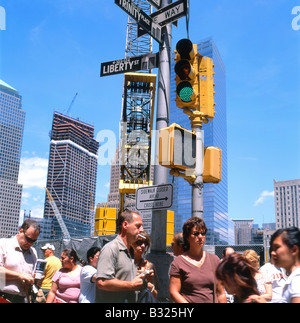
(243, 231)
(72, 174)
(12, 119)
(287, 203)
(215, 134)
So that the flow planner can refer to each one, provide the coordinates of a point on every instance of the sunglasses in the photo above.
(197, 233)
(140, 243)
(29, 240)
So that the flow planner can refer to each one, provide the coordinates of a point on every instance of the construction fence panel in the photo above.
(81, 246)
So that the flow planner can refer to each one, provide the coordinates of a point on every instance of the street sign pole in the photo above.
(159, 219)
(158, 253)
(197, 186)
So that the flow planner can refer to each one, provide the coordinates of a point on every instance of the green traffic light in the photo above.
(185, 91)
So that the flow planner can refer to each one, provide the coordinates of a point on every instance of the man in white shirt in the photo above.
(17, 262)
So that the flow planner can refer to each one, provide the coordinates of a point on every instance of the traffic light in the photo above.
(212, 165)
(186, 69)
(206, 80)
(177, 148)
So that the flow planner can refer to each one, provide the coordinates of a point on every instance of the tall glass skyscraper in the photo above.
(12, 119)
(215, 134)
(72, 174)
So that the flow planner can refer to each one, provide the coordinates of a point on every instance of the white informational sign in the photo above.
(154, 197)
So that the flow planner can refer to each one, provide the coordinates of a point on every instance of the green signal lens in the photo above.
(185, 92)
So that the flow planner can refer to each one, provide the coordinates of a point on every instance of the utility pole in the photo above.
(159, 218)
(197, 120)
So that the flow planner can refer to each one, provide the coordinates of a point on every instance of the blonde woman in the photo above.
(264, 284)
(140, 247)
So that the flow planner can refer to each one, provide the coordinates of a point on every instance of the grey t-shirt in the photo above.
(115, 261)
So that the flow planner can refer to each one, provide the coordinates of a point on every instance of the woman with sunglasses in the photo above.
(140, 247)
(192, 275)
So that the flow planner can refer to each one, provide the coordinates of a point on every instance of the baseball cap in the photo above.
(48, 246)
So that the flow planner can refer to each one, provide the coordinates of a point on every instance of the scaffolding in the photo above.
(137, 116)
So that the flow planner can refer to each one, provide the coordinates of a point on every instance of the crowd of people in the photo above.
(120, 272)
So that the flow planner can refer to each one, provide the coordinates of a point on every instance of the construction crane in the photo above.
(59, 218)
(71, 104)
(92, 215)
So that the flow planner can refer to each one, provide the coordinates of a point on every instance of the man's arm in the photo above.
(116, 285)
(13, 275)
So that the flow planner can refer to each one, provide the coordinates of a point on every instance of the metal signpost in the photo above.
(163, 35)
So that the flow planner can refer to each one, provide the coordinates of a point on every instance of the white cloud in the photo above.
(37, 211)
(33, 172)
(26, 195)
(263, 196)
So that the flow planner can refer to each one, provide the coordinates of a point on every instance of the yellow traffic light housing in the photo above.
(207, 92)
(177, 148)
(186, 69)
(194, 80)
(212, 165)
(105, 221)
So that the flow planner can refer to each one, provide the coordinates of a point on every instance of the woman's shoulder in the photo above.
(213, 258)
(178, 258)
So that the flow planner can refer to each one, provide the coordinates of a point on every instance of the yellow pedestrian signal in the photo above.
(177, 148)
(212, 165)
(186, 69)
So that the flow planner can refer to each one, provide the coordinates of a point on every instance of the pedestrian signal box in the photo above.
(212, 165)
(177, 148)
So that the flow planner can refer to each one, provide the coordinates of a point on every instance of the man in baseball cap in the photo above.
(48, 246)
(53, 264)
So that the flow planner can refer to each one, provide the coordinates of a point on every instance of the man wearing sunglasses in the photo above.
(17, 261)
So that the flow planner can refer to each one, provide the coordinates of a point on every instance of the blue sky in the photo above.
(52, 49)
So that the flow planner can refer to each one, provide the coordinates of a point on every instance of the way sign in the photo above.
(143, 20)
(131, 64)
(154, 197)
(170, 13)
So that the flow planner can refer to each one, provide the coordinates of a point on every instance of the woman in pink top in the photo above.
(66, 281)
(192, 274)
